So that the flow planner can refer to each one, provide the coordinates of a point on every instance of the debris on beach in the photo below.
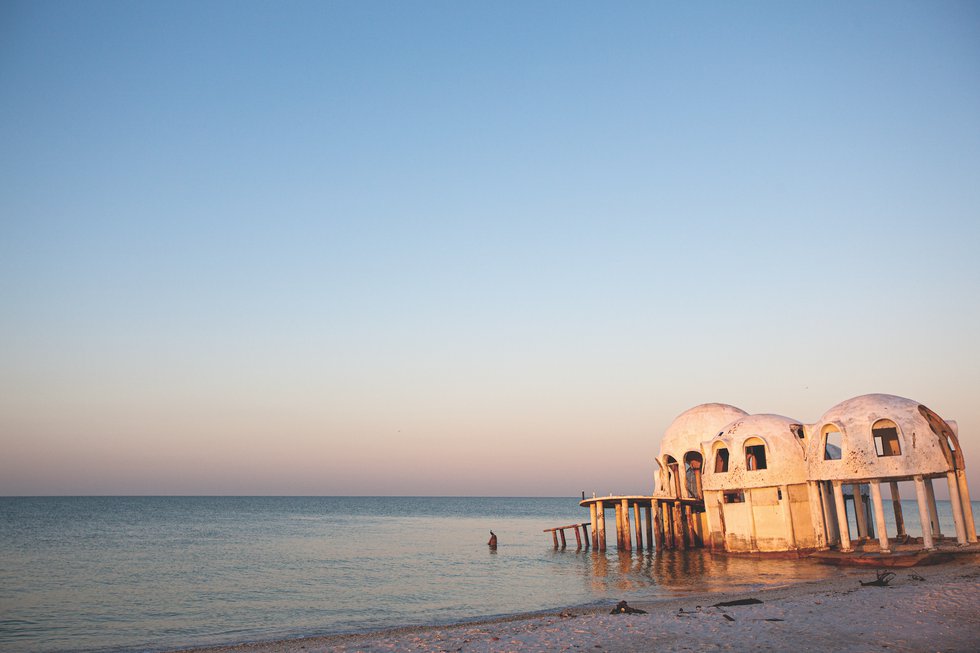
(725, 604)
(623, 608)
(882, 580)
(915, 576)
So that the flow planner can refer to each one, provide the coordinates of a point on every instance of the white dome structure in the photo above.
(761, 451)
(683, 439)
(880, 436)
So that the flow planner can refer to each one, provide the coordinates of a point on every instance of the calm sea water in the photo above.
(159, 573)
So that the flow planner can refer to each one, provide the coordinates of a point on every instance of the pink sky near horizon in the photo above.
(470, 249)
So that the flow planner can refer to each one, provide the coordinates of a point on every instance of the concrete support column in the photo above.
(860, 515)
(601, 525)
(748, 507)
(933, 511)
(787, 510)
(594, 520)
(922, 499)
(829, 512)
(968, 523)
(625, 511)
(897, 507)
(957, 507)
(817, 519)
(842, 527)
(879, 516)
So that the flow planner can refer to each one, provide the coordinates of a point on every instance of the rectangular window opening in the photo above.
(721, 461)
(735, 497)
(755, 457)
(886, 442)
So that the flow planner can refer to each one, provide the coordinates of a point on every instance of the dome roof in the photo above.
(910, 439)
(784, 453)
(694, 426)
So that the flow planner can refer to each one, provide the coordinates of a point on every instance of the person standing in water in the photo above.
(493, 541)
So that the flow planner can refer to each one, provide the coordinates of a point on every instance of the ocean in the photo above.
(160, 573)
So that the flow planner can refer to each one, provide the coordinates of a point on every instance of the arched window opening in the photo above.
(832, 442)
(885, 434)
(692, 473)
(721, 460)
(952, 445)
(673, 476)
(755, 454)
(797, 430)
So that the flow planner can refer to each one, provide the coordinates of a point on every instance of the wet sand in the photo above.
(934, 608)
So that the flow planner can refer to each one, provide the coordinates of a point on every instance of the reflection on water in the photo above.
(669, 573)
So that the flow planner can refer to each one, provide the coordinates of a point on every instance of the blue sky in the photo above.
(461, 248)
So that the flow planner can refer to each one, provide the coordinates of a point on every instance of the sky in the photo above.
(460, 248)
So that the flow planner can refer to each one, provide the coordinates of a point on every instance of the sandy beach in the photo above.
(933, 608)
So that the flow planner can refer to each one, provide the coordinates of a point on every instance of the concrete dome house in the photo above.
(766, 483)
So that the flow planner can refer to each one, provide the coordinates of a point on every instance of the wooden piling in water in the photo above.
(578, 538)
(678, 520)
(637, 526)
(649, 516)
(627, 537)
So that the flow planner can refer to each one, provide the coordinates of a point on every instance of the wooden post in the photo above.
(637, 525)
(561, 531)
(578, 539)
(627, 537)
(554, 536)
(668, 520)
(585, 536)
(658, 531)
(678, 527)
(594, 519)
(619, 525)
(601, 525)
(649, 511)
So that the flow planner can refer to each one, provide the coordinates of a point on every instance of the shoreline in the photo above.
(934, 608)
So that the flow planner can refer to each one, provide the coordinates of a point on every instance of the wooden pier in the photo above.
(560, 531)
(666, 523)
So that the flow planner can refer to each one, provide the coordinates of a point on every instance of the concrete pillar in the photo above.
(600, 525)
(957, 507)
(594, 520)
(817, 519)
(829, 513)
(787, 510)
(897, 507)
(923, 501)
(627, 543)
(879, 516)
(751, 513)
(860, 516)
(933, 511)
(842, 527)
(968, 523)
